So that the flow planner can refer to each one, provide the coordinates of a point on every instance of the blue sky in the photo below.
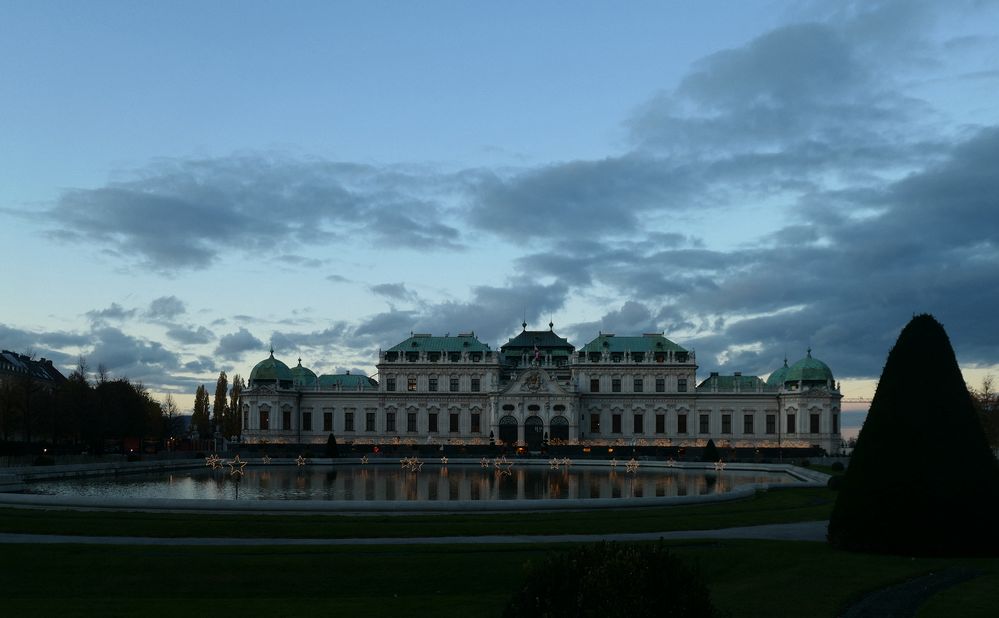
(184, 184)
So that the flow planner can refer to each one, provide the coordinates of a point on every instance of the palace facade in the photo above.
(627, 390)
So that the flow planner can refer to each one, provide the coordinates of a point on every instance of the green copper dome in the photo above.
(809, 370)
(303, 376)
(270, 370)
(777, 377)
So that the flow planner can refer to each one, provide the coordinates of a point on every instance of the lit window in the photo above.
(411, 384)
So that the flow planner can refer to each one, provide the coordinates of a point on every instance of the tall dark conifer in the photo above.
(922, 480)
(221, 403)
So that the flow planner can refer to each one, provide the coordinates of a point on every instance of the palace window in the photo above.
(726, 423)
(615, 385)
(454, 423)
(411, 384)
(306, 421)
(594, 422)
(369, 421)
(703, 420)
(286, 419)
(348, 421)
(771, 423)
(594, 385)
(390, 384)
(660, 423)
(475, 385)
(476, 422)
(390, 422)
(681, 385)
(454, 385)
(615, 423)
(638, 385)
(327, 421)
(681, 423)
(813, 423)
(747, 424)
(411, 422)
(265, 419)
(433, 422)
(790, 423)
(660, 385)
(432, 384)
(638, 424)
(835, 421)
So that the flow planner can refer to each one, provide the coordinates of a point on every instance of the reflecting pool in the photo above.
(431, 482)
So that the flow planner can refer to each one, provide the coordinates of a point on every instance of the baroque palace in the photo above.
(627, 390)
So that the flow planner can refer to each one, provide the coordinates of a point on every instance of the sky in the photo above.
(184, 185)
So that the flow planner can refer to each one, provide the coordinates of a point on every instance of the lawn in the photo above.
(747, 578)
(776, 506)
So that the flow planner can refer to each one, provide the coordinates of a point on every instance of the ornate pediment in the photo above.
(534, 381)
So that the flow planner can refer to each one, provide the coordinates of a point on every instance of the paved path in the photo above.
(803, 531)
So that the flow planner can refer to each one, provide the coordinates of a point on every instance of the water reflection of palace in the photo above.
(627, 390)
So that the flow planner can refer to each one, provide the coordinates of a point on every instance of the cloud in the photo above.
(166, 307)
(113, 313)
(127, 356)
(232, 346)
(190, 335)
(183, 213)
(393, 291)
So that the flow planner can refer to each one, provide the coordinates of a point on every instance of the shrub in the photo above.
(710, 452)
(896, 498)
(835, 482)
(331, 447)
(611, 580)
(804, 463)
(837, 466)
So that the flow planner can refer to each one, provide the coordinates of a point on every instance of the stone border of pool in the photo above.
(12, 481)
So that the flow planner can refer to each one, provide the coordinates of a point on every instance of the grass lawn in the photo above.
(747, 578)
(776, 506)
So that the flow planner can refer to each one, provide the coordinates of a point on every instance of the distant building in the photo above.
(14, 366)
(628, 390)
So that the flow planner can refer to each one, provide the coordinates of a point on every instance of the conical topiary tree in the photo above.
(922, 480)
(710, 452)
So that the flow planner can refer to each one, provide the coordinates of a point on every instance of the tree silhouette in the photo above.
(922, 480)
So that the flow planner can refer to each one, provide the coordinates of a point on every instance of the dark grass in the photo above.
(746, 578)
(776, 506)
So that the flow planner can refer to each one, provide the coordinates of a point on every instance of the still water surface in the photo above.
(433, 482)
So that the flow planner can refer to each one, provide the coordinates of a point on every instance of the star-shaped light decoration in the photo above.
(719, 466)
(444, 460)
(213, 461)
(301, 461)
(267, 459)
(364, 460)
(553, 463)
(484, 462)
(614, 462)
(236, 466)
(503, 466)
(670, 463)
(632, 465)
(566, 462)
